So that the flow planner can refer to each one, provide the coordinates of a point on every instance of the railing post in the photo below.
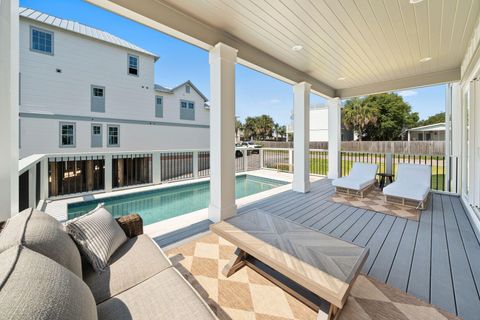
(32, 183)
(290, 158)
(195, 164)
(388, 163)
(44, 179)
(108, 172)
(156, 168)
(261, 158)
(245, 160)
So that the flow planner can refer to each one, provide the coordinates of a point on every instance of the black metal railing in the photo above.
(319, 162)
(131, 169)
(75, 175)
(176, 166)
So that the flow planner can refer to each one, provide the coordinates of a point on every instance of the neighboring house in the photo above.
(83, 89)
(431, 132)
(319, 125)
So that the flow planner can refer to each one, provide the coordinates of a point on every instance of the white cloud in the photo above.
(407, 93)
(274, 101)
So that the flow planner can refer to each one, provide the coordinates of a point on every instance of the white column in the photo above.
(222, 59)
(44, 178)
(156, 168)
(9, 99)
(456, 137)
(301, 141)
(108, 172)
(32, 184)
(334, 138)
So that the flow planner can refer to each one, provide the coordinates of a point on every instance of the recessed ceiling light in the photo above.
(415, 1)
(341, 78)
(297, 47)
(426, 59)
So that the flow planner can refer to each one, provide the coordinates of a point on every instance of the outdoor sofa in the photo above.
(43, 276)
(411, 187)
(360, 179)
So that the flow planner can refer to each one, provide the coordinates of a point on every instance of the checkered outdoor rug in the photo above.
(248, 295)
(375, 201)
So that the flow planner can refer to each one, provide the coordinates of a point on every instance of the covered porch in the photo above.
(435, 259)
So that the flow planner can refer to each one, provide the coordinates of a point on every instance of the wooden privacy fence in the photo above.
(398, 147)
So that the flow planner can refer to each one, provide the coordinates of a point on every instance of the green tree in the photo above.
(357, 115)
(393, 116)
(264, 127)
(250, 128)
(436, 118)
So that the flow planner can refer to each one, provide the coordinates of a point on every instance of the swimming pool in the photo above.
(161, 204)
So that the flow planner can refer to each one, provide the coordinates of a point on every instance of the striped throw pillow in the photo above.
(97, 235)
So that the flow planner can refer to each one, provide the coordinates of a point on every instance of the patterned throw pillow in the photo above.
(97, 235)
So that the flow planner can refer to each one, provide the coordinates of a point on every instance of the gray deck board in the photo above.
(441, 284)
(400, 271)
(354, 230)
(348, 223)
(419, 281)
(466, 296)
(436, 259)
(375, 243)
(383, 262)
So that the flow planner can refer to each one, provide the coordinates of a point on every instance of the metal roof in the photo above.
(431, 127)
(82, 29)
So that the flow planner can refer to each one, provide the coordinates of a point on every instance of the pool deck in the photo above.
(436, 259)
(58, 208)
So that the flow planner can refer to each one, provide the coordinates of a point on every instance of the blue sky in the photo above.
(255, 93)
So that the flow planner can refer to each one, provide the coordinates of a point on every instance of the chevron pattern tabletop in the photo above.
(321, 263)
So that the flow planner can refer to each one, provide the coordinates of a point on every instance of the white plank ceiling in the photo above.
(346, 43)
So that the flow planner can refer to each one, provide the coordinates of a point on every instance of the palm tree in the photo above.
(276, 128)
(357, 115)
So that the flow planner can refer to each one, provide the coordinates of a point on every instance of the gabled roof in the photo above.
(82, 29)
(167, 90)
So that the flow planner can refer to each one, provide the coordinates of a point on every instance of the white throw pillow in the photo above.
(97, 235)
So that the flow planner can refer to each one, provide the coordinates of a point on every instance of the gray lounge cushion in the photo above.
(164, 296)
(97, 235)
(42, 233)
(33, 286)
(135, 261)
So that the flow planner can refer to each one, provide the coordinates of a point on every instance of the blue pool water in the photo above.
(161, 204)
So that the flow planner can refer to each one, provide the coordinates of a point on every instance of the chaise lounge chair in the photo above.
(412, 186)
(359, 181)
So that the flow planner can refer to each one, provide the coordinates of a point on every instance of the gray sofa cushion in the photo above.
(135, 261)
(33, 286)
(42, 233)
(164, 296)
(98, 236)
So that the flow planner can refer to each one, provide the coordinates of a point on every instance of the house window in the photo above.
(41, 40)
(159, 106)
(187, 110)
(97, 99)
(67, 134)
(133, 65)
(113, 136)
(187, 89)
(96, 135)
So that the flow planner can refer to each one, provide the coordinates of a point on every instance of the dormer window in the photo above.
(132, 65)
(187, 88)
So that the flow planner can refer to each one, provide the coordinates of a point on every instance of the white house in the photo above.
(83, 89)
(431, 132)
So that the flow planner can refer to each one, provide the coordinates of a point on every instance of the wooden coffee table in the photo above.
(323, 265)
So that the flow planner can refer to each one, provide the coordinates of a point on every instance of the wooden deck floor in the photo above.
(436, 259)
